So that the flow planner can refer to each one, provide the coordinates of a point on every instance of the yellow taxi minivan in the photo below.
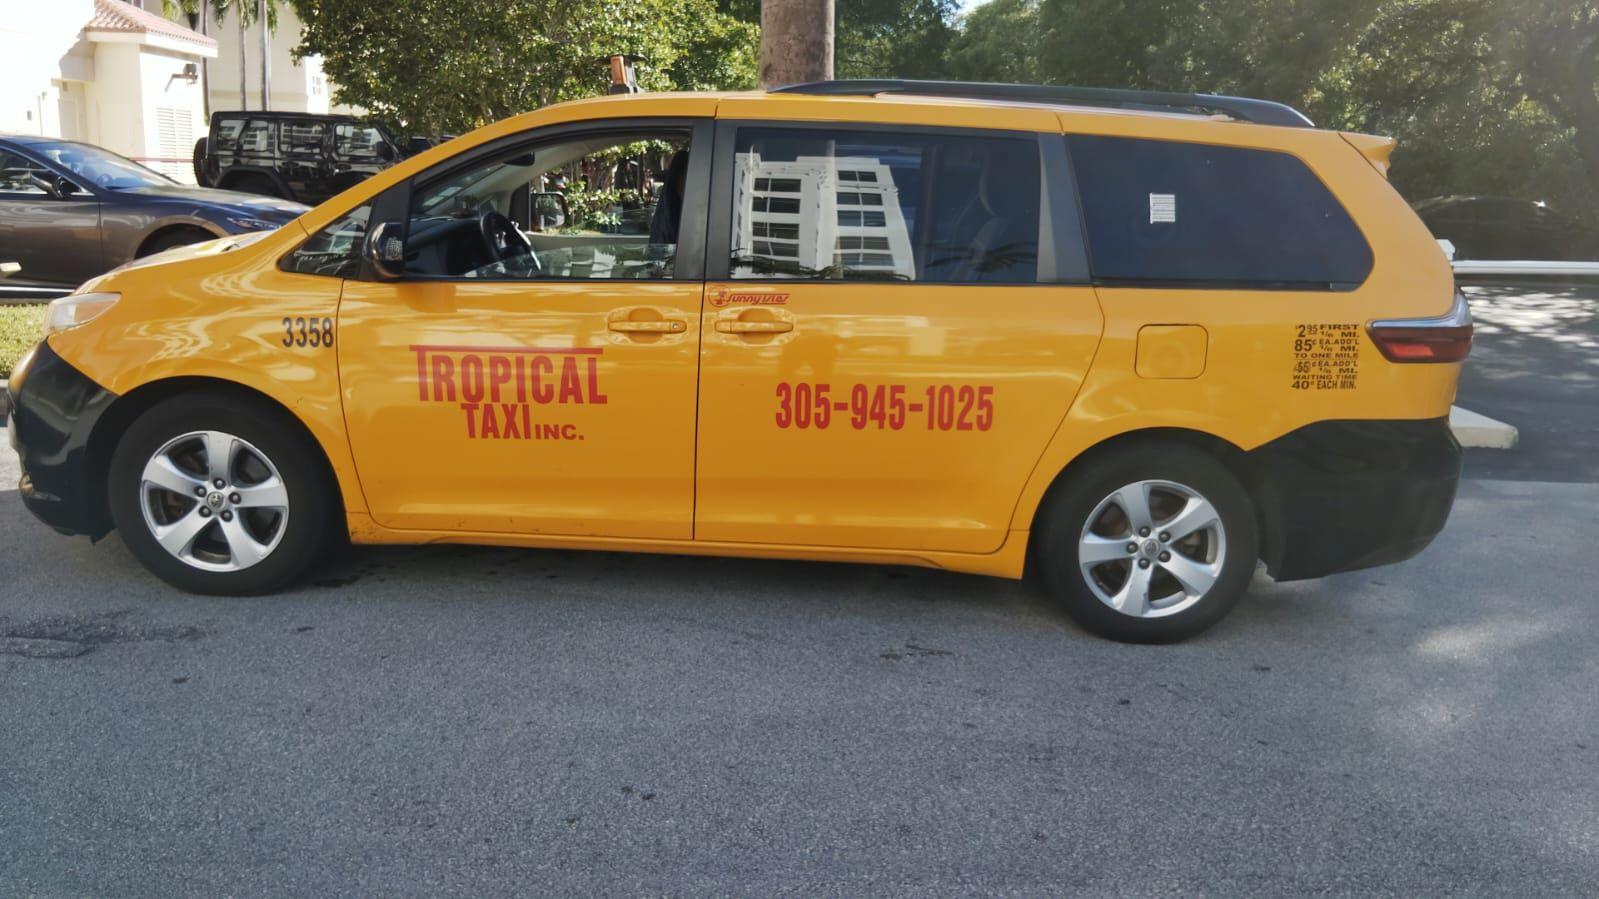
(1131, 342)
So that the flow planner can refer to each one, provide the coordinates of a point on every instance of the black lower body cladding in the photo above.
(1342, 495)
(52, 415)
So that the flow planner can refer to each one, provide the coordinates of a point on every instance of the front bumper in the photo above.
(1341, 495)
(53, 412)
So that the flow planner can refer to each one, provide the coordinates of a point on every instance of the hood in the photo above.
(254, 205)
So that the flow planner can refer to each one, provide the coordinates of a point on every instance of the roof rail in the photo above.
(1260, 112)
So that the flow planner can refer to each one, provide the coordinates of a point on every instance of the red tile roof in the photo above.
(115, 15)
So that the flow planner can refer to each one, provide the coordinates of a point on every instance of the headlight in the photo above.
(72, 311)
(249, 224)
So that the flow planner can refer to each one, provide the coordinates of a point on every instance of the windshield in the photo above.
(101, 168)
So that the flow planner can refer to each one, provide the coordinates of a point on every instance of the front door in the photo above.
(886, 351)
(55, 239)
(535, 383)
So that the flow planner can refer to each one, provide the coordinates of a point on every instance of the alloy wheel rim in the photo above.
(1152, 548)
(214, 501)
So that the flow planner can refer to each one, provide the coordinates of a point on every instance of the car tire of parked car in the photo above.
(197, 158)
(1166, 570)
(220, 494)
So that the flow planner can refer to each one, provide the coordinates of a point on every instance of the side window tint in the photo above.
(14, 175)
(1163, 211)
(335, 250)
(602, 206)
(836, 205)
(227, 133)
(301, 137)
(356, 141)
(256, 137)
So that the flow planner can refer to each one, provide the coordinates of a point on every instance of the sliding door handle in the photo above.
(739, 326)
(661, 326)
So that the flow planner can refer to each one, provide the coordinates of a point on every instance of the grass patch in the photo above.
(20, 328)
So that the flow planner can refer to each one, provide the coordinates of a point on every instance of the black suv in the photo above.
(292, 155)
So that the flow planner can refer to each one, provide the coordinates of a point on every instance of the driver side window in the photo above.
(597, 206)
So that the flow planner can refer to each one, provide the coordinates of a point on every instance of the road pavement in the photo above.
(463, 721)
(1535, 365)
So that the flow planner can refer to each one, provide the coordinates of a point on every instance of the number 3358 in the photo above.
(317, 332)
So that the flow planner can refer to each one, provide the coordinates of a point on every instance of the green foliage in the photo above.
(20, 328)
(445, 66)
(1485, 96)
(878, 38)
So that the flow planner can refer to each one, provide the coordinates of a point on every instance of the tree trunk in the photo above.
(244, 82)
(266, 55)
(796, 41)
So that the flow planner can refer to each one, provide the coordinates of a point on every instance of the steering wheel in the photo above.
(504, 239)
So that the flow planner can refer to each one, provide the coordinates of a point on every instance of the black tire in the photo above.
(198, 160)
(179, 237)
(305, 529)
(256, 184)
(1067, 513)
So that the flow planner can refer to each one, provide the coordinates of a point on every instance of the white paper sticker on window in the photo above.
(1162, 208)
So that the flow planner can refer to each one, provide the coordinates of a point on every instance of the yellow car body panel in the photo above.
(675, 442)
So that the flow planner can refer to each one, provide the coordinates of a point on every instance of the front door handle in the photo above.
(739, 326)
(660, 326)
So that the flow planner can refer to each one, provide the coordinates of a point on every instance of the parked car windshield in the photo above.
(101, 168)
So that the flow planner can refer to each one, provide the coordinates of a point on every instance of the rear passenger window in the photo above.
(1163, 211)
(840, 205)
(301, 137)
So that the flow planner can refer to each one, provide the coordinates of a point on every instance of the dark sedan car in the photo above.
(1507, 228)
(69, 211)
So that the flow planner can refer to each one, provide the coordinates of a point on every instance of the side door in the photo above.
(500, 385)
(56, 239)
(302, 156)
(896, 322)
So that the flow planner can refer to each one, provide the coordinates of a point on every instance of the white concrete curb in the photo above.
(1480, 431)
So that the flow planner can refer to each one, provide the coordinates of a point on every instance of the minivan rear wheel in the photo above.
(1149, 545)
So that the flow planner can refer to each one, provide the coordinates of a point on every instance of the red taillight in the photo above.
(1446, 338)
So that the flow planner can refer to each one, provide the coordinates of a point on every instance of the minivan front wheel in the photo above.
(1151, 545)
(218, 495)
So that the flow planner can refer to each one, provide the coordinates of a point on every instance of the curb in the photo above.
(1474, 430)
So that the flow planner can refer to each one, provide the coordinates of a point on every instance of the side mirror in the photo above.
(385, 152)
(550, 210)
(385, 250)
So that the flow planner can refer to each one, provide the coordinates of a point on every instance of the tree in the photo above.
(440, 66)
(796, 41)
(248, 13)
(1485, 96)
(879, 38)
(999, 41)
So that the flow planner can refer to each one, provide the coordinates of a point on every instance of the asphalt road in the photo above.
(458, 721)
(1535, 364)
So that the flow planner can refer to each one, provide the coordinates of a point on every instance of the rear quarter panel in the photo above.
(1246, 394)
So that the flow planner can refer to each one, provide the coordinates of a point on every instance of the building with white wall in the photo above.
(819, 213)
(105, 72)
(295, 85)
(113, 73)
